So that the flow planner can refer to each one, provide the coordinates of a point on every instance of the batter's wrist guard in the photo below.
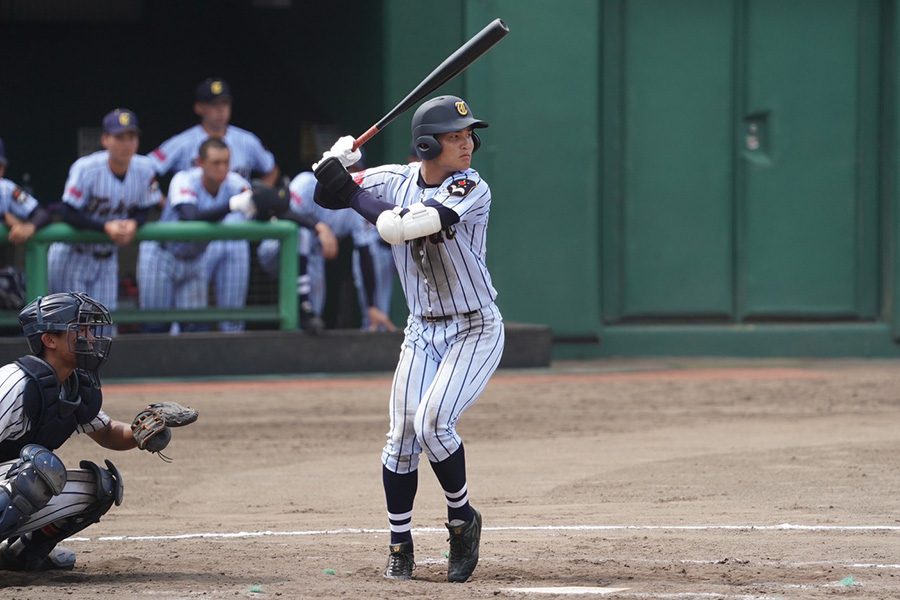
(335, 179)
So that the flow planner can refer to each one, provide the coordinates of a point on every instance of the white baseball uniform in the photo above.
(454, 335)
(95, 191)
(180, 152)
(175, 274)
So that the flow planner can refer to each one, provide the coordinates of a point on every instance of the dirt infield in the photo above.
(662, 479)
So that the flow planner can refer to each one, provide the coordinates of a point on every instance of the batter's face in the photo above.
(215, 166)
(456, 150)
(121, 146)
(214, 115)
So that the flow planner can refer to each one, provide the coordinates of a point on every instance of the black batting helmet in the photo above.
(441, 115)
(69, 311)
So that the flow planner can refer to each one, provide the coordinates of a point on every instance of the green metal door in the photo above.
(808, 241)
(740, 160)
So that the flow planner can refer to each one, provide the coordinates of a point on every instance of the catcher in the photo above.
(46, 397)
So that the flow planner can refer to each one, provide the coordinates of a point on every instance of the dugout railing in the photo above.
(284, 312)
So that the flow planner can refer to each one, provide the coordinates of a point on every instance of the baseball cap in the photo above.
(120, 121)
(3, 160)
(212, 89)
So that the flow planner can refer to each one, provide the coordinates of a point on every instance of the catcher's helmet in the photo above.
(70, 311)
(441, 115)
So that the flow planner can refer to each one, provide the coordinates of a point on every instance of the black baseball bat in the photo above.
(455, 64)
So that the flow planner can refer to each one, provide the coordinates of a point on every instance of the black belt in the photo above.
(443, 318)
(101, 254)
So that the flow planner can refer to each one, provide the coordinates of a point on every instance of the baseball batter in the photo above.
(110, 191)
(213, 106)
(435, 215)
(46, 397)
(21, 211)
(175, 274)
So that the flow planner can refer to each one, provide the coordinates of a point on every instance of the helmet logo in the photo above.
(216, 87)
(461, 108)
(124, 119)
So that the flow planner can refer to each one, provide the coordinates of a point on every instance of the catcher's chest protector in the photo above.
(54, 416)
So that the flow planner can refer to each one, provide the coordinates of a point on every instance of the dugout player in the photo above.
(110, 191)
(176, 274)
(21, 211)
(318, 241)
(212, 103)
(45, 398)
(435, 215)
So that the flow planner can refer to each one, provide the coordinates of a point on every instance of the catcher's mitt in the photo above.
(271, 202)
(151, 426)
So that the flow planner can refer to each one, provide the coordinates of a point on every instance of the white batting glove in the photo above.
(390, 226)
(243, 202)
(343, 151)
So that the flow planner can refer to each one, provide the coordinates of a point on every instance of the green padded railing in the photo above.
(285, 312)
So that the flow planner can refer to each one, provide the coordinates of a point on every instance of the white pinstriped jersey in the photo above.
(186, 187)
(445, 273)
(13, 421)
(95, 191)
(15, 200)
(180, 152)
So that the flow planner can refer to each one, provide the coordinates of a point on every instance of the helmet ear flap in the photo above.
(427, 147)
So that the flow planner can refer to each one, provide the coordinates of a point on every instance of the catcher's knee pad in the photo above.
(109, 488)
(105, 488)
(31, 483)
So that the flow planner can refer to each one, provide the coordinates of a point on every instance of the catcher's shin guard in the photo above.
(107, 489)
(30, 484)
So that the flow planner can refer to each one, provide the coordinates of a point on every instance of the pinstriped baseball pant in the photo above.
(78, 496)
(444, 366)
(228, 266)
(69, 271)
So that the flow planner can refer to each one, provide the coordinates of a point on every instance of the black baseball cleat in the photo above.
(58, 558)
(401, 562)
(465, 537)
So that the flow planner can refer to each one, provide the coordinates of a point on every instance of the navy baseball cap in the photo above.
(213, 89)
(3, 160)
(120, 121)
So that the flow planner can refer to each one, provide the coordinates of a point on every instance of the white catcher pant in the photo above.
(444, 366)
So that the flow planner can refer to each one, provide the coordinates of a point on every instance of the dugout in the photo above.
(702, 177)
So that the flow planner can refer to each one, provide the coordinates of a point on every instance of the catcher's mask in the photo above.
(70, 311)
(443, 114)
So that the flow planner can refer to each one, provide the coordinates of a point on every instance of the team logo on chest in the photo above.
(461, 187)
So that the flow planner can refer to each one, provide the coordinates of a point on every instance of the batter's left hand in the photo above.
(343, 151)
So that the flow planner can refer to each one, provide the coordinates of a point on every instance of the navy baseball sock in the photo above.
(400, 492)
(451, 473)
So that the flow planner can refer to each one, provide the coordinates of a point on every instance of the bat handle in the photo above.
(368, 135)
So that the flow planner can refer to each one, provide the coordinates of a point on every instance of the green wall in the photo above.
(538, 88)
(692, 177)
